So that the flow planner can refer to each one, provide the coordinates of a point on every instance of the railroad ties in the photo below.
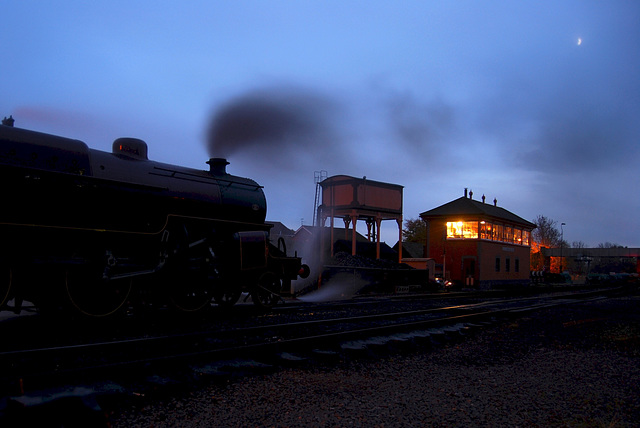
(333, 343)
(81, 401)
(413, 340)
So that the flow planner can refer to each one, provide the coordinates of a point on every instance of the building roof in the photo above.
(414, 250)
(470, 207)
(365, 249)
(279, 229)
(338, 232)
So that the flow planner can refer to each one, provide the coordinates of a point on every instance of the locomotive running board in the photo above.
(133, 274)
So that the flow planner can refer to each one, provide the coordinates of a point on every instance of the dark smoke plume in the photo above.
(271, 121)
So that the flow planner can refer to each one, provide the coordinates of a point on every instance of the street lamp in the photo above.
(561, 243)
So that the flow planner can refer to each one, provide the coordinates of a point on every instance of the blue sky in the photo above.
(533, 103)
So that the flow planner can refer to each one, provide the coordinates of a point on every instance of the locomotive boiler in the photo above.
(92, 230)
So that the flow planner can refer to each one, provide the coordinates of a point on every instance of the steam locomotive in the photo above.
(94, 232)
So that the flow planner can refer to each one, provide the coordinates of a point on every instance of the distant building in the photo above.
(280, 233)
(478, 244)
(413, 255)
(411, 250)
(582, 261)
(278, 229)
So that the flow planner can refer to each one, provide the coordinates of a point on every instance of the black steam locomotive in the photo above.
(93, 231)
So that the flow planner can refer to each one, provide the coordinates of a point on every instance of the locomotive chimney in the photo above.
(218, 166)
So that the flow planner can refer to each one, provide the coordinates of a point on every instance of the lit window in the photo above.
(508, 234)
(498, 232)
(518, 236)
(486, 230)
(462, 230)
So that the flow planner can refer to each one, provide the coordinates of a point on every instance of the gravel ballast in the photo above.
(572, 366)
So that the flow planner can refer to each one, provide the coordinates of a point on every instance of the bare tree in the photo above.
(609, 245)
(415, 230)
(546, 234)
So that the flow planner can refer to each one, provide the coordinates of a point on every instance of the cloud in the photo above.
(569, 122)
(580, 140)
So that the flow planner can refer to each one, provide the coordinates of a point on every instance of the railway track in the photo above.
(83, 371)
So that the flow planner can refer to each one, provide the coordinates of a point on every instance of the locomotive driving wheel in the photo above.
(266, 293)
(226, 296)
(187, 282)
(191, 293)
(189, 287)
(94, 293)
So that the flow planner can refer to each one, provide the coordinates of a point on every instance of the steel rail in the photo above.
(328, 321)
(280, 343)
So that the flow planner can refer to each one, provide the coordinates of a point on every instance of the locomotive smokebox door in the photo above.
(253, 249)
